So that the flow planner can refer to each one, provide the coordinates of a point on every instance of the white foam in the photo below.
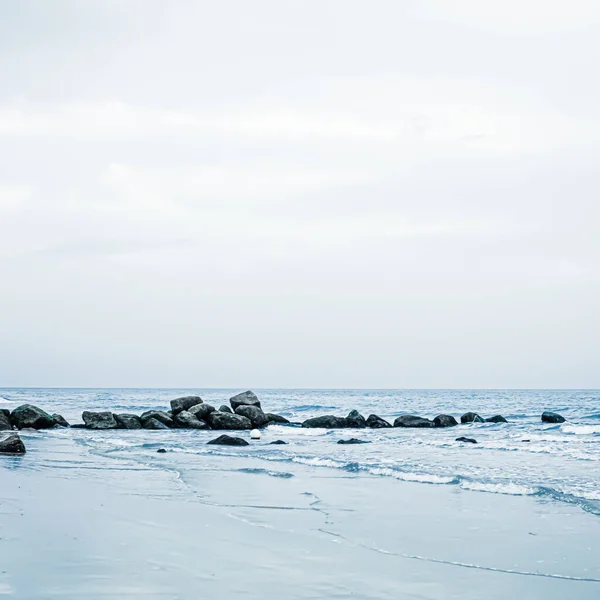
(4, 400)
(581, 429)
(510, 489)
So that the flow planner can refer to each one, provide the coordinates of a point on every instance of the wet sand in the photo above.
(74, 524)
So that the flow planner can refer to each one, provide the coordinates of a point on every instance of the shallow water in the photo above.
(561, 462)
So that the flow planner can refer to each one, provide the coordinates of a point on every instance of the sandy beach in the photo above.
(74, 524)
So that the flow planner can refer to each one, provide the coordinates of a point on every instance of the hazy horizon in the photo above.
(314, 195)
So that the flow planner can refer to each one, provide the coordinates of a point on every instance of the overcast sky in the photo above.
(280, 193)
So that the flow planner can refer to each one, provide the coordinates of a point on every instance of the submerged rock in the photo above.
(5, 424)
(13, 444)
(277, 443)
(412, 421)
(98, 420)
(496, 419)
(550, 417)
(227, 440)
(219, 420)
(60, 420)
(128, 421)
(186, 420)
(153, 423)
(225, 408)
(161, 450)
(353, 441)
(256, 415)
(28, 415)
(244, 399)
(159, 415)
(79, 426)
(355, 420)
(471, 417)
(201, 411)
(444, 421)
(376, 422)
(326, 421)
(466, 439)
(273, 418)
(184, 403)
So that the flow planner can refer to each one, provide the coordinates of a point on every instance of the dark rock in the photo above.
(412, 421)
(5, 412)
(444, 421)
(219, 420)
(153, 423)
(161, 450)
(550, 417)
(184, 403)
(201, 411)
(98, 420)
(225, 408)
(244, 399)
(227, 440)
(13, 444)
(353, 441)
(256, 415)
(79, 426)
(496, 419)
(60, 420)
(471, 417)
(186, 420)
(277, 443)
(326, 421)
(5, 424)
(28, 415)
(377, 422)
(466, 439)
(525, 440)
(128, 421)
(273, 418)
(159, 415)
(355, 420)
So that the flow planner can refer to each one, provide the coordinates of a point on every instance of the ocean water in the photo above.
(525, 457)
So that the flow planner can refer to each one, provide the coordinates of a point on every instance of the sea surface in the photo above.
(525, 457)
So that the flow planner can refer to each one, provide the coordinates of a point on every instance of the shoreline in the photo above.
(165, 526)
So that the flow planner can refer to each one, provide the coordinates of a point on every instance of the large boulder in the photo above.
(28, 415)
(326, 421)
(444, 421)
(256, 415)
(227, 440)
(496, 419)
(376, 422)
(225, 408)
(5, 424)
(60, 420)
(412, 421)
(99, 420)
(550, 417)
(201, 411)
(276, 419)
(13, 444)
(128, 421)
(244, 399)
(159, 415)
(471, 417)
(355, 420)
(220, 420)
(153, 423)
(184, 403)
(186, 420)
